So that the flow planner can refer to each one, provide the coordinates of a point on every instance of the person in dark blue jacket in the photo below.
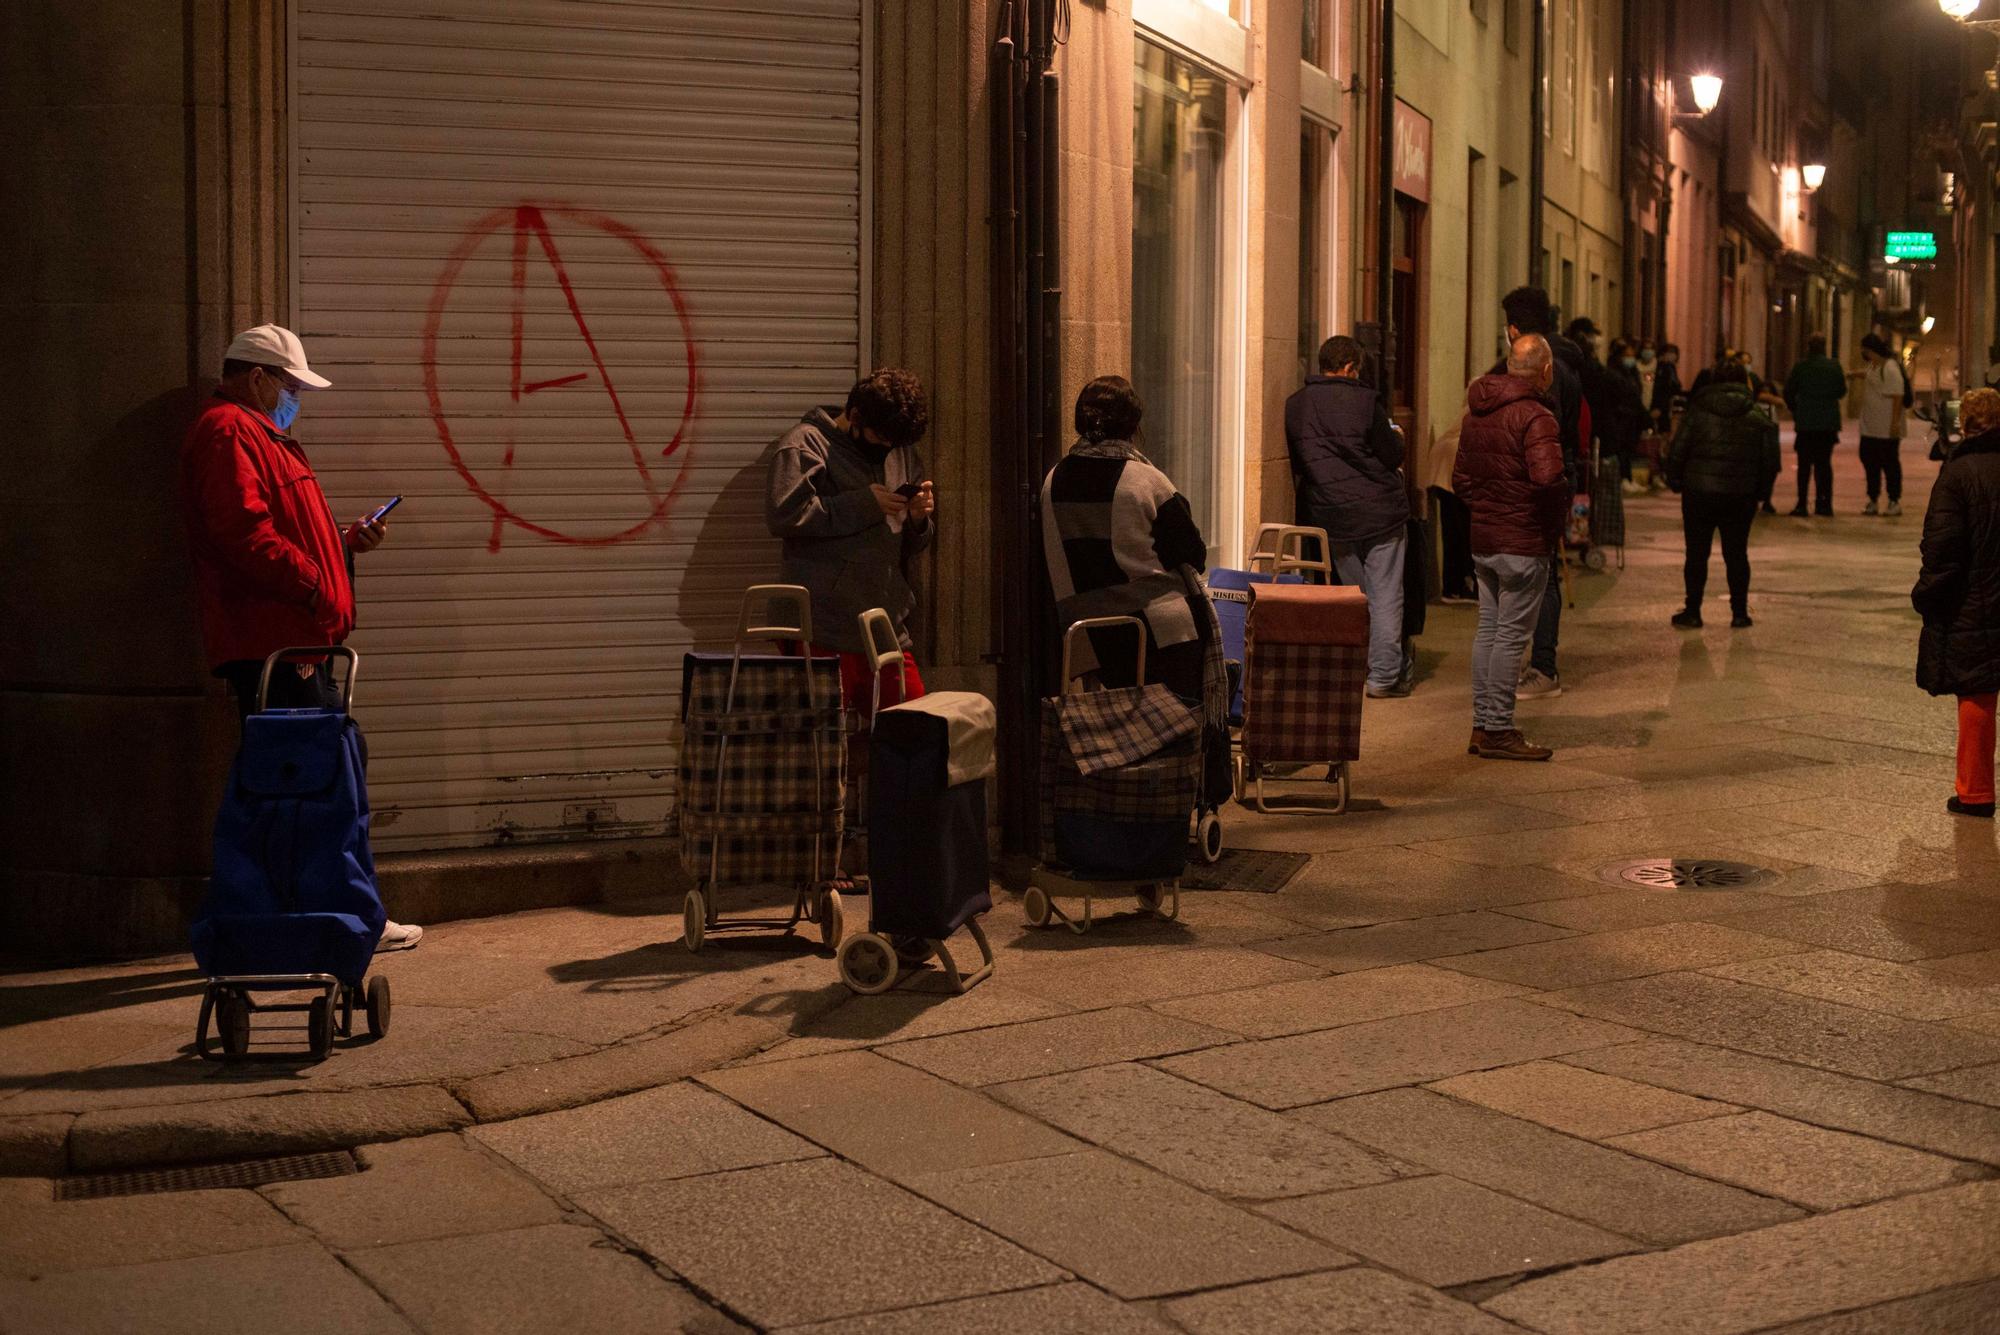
(1347, 464)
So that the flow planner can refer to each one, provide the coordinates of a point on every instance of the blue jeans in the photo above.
(1376, 567)
(1510, 594)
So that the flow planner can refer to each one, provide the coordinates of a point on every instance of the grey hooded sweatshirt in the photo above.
(837, 541)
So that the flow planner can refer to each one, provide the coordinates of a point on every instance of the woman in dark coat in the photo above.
(1958, 595)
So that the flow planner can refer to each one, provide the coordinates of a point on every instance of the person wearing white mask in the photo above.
(273, 569)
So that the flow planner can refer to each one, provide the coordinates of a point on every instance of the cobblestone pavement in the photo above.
(1453, 1077)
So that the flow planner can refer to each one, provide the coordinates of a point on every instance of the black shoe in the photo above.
(1769, 508)
(1983, 810)
(1823, 512)
(1741, 621)
(1799, 510)
(1687, 620)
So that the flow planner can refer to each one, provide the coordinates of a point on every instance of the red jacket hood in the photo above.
(1490, 393)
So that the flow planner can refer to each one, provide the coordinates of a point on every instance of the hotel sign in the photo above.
(1911, 246)
(1413, 152)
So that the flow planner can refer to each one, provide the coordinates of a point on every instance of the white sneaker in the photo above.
(1869, 509)
(1631, 488)
(399, 936)
(1895, 508)
(1538, 685)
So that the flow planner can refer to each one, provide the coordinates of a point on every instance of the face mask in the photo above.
(287, 410)
(1630, 361)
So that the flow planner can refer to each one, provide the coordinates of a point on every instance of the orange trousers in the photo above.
(1975, 747)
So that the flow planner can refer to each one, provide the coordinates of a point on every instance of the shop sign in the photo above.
(1412, 152)
(1911, 246)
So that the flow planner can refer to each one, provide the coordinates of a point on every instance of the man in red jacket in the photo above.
(273, 568)
(1510, 476)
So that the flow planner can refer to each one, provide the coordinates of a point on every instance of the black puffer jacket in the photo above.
(1344, 458)
(1958, 592)
(1726, 448)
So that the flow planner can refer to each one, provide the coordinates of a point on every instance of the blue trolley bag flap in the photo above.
(291, 752)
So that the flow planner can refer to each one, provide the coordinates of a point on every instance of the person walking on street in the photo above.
(1958, 596)
(1721, 461)
(1883, 391)
(1814, 391)
(1348, 462)
(1529, 312)
(273, 569)
(1510, 475)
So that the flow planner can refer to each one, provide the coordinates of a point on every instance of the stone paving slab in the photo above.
(1056, 1307)
(1969, 1309)
(246, 1128)
(901, 1015)
(45, 1236)
(1580, 1102)
(1046, 1047)
(1606, 956)
(1857, 932)
(434, 1187)
(558, 1277)
(1373, 885)
(300, 1290)
(1299, 1007)
(1709, 834)
(1908, 991)
(677, 1130)
(1128, 980)
(1444, 1231)
(1613, 1190)
(793, 1243)
(1124, 1228)
(1975, 1084)
(1387, 826)
(1630, 801)
(1903, 1116)
(890, 1118)
(1883, 787)
(1358, 1301)
(1217, 1144)
(1375, 947)
(35, 1145)
(1634, 907)
(1779, 1024)
(609, 1072)
(1807, 1165)
(1811, 1267)
(1381, 1054)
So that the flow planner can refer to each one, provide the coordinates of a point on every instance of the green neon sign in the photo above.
(1911, 246)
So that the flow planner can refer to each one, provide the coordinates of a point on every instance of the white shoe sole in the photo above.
(406, 939)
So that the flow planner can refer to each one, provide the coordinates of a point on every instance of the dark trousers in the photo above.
(1816, 467)
(1455, 530)
(1882, 463)
(1702, 517)
(288, 689)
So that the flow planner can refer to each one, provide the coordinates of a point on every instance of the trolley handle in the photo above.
(1103, 623)
(765, 600)
(883, 650)
(316, 652)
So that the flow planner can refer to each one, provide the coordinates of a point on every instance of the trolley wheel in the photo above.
(830, 919)
(1594, 558)
(232, 1023)
(1208, 837)
(1156, 899)
(378, 1007)
(867, 964)
(319, 1026)
(1035, 902)
(694, 919)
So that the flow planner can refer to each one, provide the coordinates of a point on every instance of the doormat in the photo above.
(1254, 869)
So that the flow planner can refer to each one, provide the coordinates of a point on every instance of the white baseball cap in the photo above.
(275, 345)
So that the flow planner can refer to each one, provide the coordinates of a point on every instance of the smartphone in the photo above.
(393, 502)
(909, 490)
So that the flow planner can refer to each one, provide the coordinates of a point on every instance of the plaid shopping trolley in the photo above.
(1305, 665)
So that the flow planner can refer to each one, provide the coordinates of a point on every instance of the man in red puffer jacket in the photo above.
(272, 566)
(1510, 476)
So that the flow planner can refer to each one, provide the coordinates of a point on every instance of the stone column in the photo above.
(143, 209)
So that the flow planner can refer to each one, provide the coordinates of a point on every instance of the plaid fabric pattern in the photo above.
(1159, 787)
(1108, 729)
(1607, 506)
(762, 787)
(1302, 702)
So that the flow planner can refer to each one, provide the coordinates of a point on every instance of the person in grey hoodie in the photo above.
(847, 495)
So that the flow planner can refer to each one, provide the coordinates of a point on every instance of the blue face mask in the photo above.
(287, 411)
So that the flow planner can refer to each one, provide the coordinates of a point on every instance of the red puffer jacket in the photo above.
(270, 563)
(1510, 469)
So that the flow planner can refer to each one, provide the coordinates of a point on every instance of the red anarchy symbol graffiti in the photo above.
(530, 226)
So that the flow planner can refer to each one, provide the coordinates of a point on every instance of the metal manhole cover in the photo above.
(1687, 874)
(207, 1177)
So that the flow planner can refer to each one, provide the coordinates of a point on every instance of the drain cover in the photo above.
(208, 1177)
(1255, 869)
(1687, 874)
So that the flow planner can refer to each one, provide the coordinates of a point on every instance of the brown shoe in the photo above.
(1479, 739)
(1511, 745)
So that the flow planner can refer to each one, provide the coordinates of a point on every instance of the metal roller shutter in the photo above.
(570, 266)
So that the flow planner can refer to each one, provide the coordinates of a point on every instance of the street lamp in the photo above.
(1707, 90)
(1959, 9)
(1930, 321)
(1814, 175)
